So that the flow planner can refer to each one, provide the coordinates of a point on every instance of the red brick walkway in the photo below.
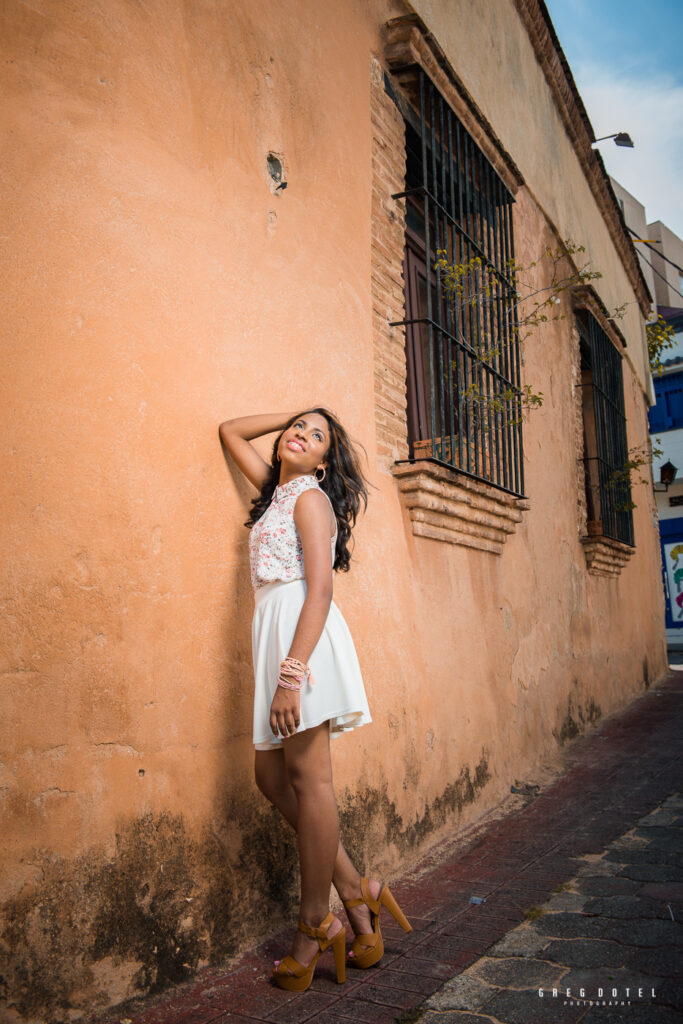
(621, 771)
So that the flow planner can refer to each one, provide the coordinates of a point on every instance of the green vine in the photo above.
(638, 456)
(470, 287)
(660, 336)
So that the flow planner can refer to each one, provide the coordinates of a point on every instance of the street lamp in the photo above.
(620, 139)
(667, 475)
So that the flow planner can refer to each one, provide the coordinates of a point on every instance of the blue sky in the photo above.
(627, 62)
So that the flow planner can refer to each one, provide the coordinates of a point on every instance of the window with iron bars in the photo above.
(608, 490)
(462, 353)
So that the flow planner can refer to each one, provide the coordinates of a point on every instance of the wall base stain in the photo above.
(370, 821)
(167, 904)
(577, 717)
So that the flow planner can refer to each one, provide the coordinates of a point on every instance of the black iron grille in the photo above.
(462, 353)
(608, 489)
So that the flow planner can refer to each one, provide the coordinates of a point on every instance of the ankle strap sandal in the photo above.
(295, 977)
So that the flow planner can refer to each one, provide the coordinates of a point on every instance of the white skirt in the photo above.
(338, 695)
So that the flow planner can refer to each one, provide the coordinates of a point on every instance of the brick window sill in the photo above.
(448, 506)
(604, 556)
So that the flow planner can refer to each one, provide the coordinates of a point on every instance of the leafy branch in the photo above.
(660, 336)
(480, 295)
(620, 479)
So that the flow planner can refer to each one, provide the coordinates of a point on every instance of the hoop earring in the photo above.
(278, 458)
(320, 478)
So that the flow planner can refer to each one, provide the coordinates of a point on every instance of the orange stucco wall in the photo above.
(158, 285)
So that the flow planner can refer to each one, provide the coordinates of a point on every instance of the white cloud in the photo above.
(651, 111)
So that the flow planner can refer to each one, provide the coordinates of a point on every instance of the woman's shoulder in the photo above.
(310, 502)
(311, 486)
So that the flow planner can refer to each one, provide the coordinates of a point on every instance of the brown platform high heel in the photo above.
(302, 976)
(374, 944)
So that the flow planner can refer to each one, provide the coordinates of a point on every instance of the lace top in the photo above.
(275, 551)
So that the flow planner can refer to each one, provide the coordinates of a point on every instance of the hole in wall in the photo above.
(276, 172)
(275, 169)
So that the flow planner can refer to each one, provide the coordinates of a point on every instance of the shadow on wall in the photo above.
(238, 679)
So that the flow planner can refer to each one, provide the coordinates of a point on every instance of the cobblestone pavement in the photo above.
(605, 947)
(582, 888)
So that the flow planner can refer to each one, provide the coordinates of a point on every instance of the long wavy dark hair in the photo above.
(344, 484)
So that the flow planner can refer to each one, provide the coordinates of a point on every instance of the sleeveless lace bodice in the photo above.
(275, 550)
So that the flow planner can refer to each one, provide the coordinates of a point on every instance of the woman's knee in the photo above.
(305, 778)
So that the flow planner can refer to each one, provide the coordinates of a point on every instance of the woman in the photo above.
(308, 684)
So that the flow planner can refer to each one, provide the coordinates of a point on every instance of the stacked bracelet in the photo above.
(288, 686)
(295, 670)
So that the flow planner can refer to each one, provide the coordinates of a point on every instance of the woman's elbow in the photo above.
(224, 430)
(320, 593)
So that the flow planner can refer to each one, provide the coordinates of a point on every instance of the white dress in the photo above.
(277, 575)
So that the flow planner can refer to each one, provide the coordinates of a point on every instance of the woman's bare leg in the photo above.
(273, 781)
(272, 778)
(309, 770)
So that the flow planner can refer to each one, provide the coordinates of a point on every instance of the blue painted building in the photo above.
(666, 431)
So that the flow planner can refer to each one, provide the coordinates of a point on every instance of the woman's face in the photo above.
(303, 445)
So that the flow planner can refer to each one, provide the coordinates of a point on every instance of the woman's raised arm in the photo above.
(236, 435)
